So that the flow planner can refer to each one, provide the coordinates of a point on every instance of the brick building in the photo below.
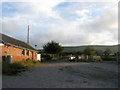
(19, 50)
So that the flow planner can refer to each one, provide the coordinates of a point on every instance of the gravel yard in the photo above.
(66, 75)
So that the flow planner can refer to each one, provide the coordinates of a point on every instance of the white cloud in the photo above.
(45, 8)
(65, 0)
(46, 24)
(82, 12)
(106, 21)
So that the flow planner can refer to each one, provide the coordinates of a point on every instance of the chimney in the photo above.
(28, 35)
(35, 46)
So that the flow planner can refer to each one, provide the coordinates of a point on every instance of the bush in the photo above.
(27, 59)
(97, 58)
(47, 57)
(12, 69)
(34, 62)
(17, 67)
(109, 58)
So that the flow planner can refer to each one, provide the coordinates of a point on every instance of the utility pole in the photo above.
(28, 35)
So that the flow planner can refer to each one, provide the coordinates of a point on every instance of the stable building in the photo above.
(17, 49)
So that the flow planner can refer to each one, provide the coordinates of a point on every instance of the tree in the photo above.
(52, 48)
(40, 52)
(99, 52)
(107, 52)
(89, 51)
(78, 53)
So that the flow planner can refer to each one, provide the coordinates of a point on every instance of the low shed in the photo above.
(19, 50)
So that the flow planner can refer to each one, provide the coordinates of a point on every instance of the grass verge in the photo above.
(17, 67)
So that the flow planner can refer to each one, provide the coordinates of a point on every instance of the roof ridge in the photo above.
(16, 42)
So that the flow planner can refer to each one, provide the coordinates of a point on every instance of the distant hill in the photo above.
(113, 48)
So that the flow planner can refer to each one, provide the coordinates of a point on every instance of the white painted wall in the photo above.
(39, 57)
(1, 44)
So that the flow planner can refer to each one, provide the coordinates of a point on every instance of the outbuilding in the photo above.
(17, 49)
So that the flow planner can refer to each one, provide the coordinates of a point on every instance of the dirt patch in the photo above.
(66, 75)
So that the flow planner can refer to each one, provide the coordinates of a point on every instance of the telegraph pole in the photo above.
(28, 35)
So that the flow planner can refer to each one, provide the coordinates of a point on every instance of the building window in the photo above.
(32, 55)
(23, 52)
(3, 58)
(27, 53)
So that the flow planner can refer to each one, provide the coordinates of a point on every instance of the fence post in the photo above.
(117, 57)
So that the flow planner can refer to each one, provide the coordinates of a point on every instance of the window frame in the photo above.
(27, 52)
(23, 51)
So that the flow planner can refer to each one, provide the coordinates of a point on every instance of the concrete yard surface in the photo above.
(66, 75)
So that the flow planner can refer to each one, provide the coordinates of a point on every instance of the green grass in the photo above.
(12, 69)
(17, 67)
(113, 48)
(109, 58)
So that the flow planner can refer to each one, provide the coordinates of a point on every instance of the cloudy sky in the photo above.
(69, 23)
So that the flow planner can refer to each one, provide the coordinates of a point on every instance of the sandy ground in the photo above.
(66, 75)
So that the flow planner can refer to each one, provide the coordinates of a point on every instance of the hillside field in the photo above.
(113, 48)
